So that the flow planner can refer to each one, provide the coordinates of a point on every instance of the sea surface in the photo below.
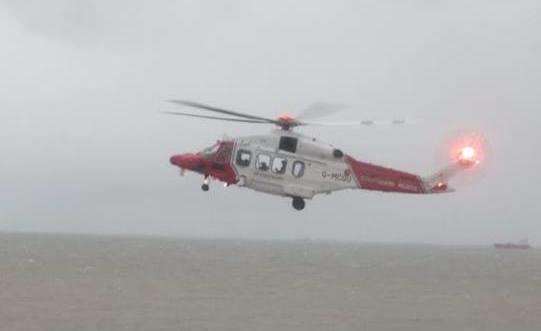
(76, 282)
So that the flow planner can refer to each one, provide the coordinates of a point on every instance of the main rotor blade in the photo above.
(319, 109)
(222, 111)
(362, 123)
(214, 117)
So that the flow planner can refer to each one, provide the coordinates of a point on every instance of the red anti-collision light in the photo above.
(468, 150)
(468, 153)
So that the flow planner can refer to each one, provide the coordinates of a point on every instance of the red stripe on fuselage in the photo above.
(377, 178)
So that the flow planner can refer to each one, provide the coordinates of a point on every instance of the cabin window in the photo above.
(288, 144)
(279, 165)
(263, 162)
(298, 169)
(243, 158)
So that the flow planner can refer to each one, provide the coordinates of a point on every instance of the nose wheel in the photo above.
(205, 187)
(298, 203)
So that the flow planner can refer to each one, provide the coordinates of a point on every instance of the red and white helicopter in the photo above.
(289, 164)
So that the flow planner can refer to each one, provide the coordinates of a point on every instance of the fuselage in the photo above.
(282, 163)
(287, 163)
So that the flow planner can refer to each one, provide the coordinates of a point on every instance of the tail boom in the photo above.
(377, 178)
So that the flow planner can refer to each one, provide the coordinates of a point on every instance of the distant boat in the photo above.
(523, 244)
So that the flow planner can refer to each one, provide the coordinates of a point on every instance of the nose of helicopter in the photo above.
(186, 161)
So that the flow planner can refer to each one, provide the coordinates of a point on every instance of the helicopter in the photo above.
(287, 163)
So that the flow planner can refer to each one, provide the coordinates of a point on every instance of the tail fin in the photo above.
(437, 183)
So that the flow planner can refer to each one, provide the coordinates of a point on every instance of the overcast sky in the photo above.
(84, 149)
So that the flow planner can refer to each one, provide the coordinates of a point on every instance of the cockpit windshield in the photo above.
(211, 150)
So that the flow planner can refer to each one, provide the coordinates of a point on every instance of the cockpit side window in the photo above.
(263, 162)
(209, 151)
(243, 158)
(288, 144)
(279, 165)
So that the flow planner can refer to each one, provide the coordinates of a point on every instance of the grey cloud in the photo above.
(84, 148)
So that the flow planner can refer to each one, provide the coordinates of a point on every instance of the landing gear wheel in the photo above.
(298, 203)
(205, 187)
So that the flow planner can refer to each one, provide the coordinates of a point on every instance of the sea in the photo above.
(98, 282)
